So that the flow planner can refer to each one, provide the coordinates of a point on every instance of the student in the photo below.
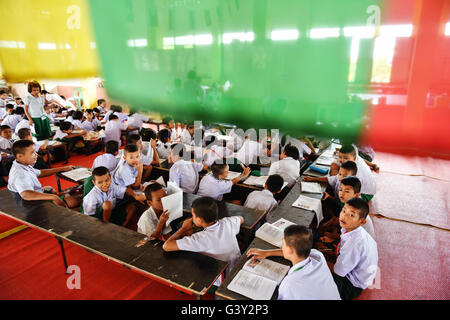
(113, 129)
(41, 148)
(300, 145)
(187, 136)
(163, 144)
(135, 122)
(70, 116)
(6, 142)
(171, 127)
(309, 277)
(23, 178)
(118, 112)
(289, 165)
(77, 119)
(357, 253)
(91, 123)
(184, 173)
(218, 238)
(101, 201)
(3, 97)
(50, 114)
(151, 157)
(18, 101)
(214, 184)
(101, 105)
(13, 118)
(34, 109)
(153, 220)
(215, 150)
(64, 134)
(109, 159)
(264, 200)
(249, 151)
(129, 170)
(368, 184)
(24, 123)
(112, 109)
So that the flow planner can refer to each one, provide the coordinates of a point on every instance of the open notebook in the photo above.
(273, 232)
(311, 204)
(258, 279)
(77, 174)
(311, 187)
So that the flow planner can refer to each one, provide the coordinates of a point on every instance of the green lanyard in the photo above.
(297, 269)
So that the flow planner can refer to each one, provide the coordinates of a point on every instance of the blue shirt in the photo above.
(212, 187)
(185, 174)
(24, 178)
(124, 174)
(106, 160)
(96, 197)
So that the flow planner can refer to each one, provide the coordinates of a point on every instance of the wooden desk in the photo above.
(189, 272)
(60, 176)
(224, 293)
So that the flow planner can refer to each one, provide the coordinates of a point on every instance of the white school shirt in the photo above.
(2, 103)
(237, 140)
(147, 222)
(136, 120)
(215, 153)
(106, 160)
(185, 174)
(6, 143)
(261, 200)
(212, 187)
(24, 123)
(312, 282)
(59, 134)
(174, 134)
(124, 174)
(113, 131)
(163, 149)
(77, 124)
(365, 175)
(110, 112)
(186, 137)
(3, 112)
(35, 106)
(23, 178)
(122, 116)
(90, 126)
(358, 258)
(368, 226)
(288, 168)
(217, 241)
(249, 151)
(12, 121)
(301, 146)
(69, 119)
(96, 197)
(335, 184)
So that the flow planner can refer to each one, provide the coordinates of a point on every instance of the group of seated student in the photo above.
(337, 261)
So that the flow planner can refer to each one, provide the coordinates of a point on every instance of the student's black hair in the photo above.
(274, 183)
(78, 115)
(9, 106)
(20, 145)
(350, 166)
(178, 149)
(300, 238)
(99, 171)
(206, 208)
(4, 127)
(71, 113)
(2, 92)
(63, 97)
(166, 120)
(23, 132)
(148, 134)
(96, 110)
(291, 151)
(130, 148)
(151, 188)
(352, 181)
(113, 117)
(65, 125)
(111, 147)
(360, 205)
(89, 111)
(17, 98)
(218, 167)
(44, 91)
(100, 101)
(19, 111)
(133, 138)
(164, 135)
(348, 149)
(33, 84)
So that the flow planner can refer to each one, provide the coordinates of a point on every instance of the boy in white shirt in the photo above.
(113, 129)
(64, 134)
(5, 139)
(214, 184)
(218, 238)
(249, 151)
(151, 157)
(108, 159)
(289, 165)
(3, 97)
(264, 200)
(23, 178)
(101, 105)
(357, 253)
(118, 112)
(183, 172)
(91, 123)
(135, 122)
(41, 148)
(215, 150)
(309, 277)
(101, 201)
(153, 220)
(368, 184)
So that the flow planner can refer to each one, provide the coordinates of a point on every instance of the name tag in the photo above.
(43, 117)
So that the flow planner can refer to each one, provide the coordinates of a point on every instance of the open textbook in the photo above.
(173, 203)
(258, 279)
(311, 187)
(259, 181)
(311, 204)
(325, 160)
(273, 233)
(77, 174)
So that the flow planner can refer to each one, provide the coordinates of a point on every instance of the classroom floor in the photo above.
(411, 226)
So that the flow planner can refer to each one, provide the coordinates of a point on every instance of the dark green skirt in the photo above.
(42, 127)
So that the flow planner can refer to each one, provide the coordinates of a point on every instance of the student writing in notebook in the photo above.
(309, 277)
